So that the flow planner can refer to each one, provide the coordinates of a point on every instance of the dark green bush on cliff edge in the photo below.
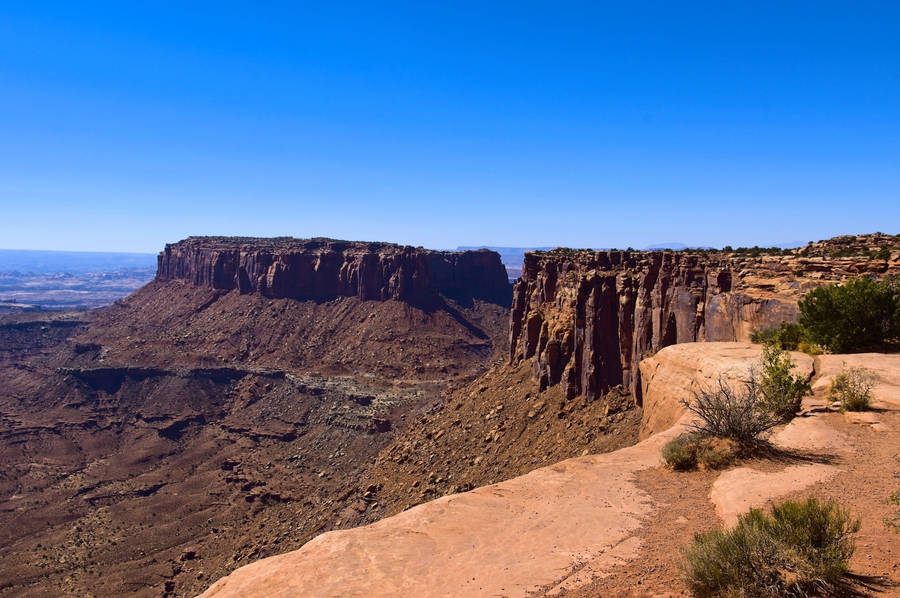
(787, 336)
(859, 315)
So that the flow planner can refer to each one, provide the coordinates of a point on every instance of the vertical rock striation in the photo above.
(588, 318)
(324, 269)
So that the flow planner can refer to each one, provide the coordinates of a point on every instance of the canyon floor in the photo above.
(613, 524)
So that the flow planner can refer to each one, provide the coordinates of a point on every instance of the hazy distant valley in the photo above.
(70, 279)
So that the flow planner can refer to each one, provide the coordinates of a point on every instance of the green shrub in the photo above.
(859, 315)
(732, 411)
(809, 348)
(763, 336)
(852, 388)
(692, 450)
(789, 336)
(680, 453)
(803, 547)
(782, 392)
(883, 253)
(892, 521)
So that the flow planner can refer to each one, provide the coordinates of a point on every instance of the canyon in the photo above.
(261, 392)
(153, 445)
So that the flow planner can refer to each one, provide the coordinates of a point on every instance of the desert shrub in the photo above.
(809, 348)
(789, 336)
(852, 388)
(883, 253)
(680, 453)
(862, 314)
(892, 521)
(802, 547)
(732, 411)
(693, 450)
(761, 335)
(716, 453)
(781, 391)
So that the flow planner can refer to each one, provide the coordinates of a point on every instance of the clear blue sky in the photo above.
(127, 125)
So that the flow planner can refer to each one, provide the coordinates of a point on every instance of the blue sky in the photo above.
(124, 126)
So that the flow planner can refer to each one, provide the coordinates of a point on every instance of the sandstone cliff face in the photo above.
(588, 318)
(324, 269)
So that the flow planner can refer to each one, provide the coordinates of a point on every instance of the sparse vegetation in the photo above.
(852, 389)
(782, 392)
(801, 548)
(732, 411)
(680, 453)
(565, 251)
(692, 450)
(892, 521)
(757, 251)
(809, 348)
(859, 315)
(787, 336)
(732, 418)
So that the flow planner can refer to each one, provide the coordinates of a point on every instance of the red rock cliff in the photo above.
(588, 318)
(324, 269)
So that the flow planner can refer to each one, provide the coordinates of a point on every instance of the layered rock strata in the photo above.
(588, 318)
(324, 269)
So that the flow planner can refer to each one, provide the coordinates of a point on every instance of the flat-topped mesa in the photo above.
(588, 318)
(324, 269)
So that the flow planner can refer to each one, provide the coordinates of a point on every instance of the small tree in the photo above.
(861, 314)
(782, 392)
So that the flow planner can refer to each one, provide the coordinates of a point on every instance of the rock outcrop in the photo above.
(588, 318)
(669, 377)
(324, 269)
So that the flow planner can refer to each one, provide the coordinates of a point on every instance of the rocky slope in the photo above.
(499, 426)
(588, 318)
